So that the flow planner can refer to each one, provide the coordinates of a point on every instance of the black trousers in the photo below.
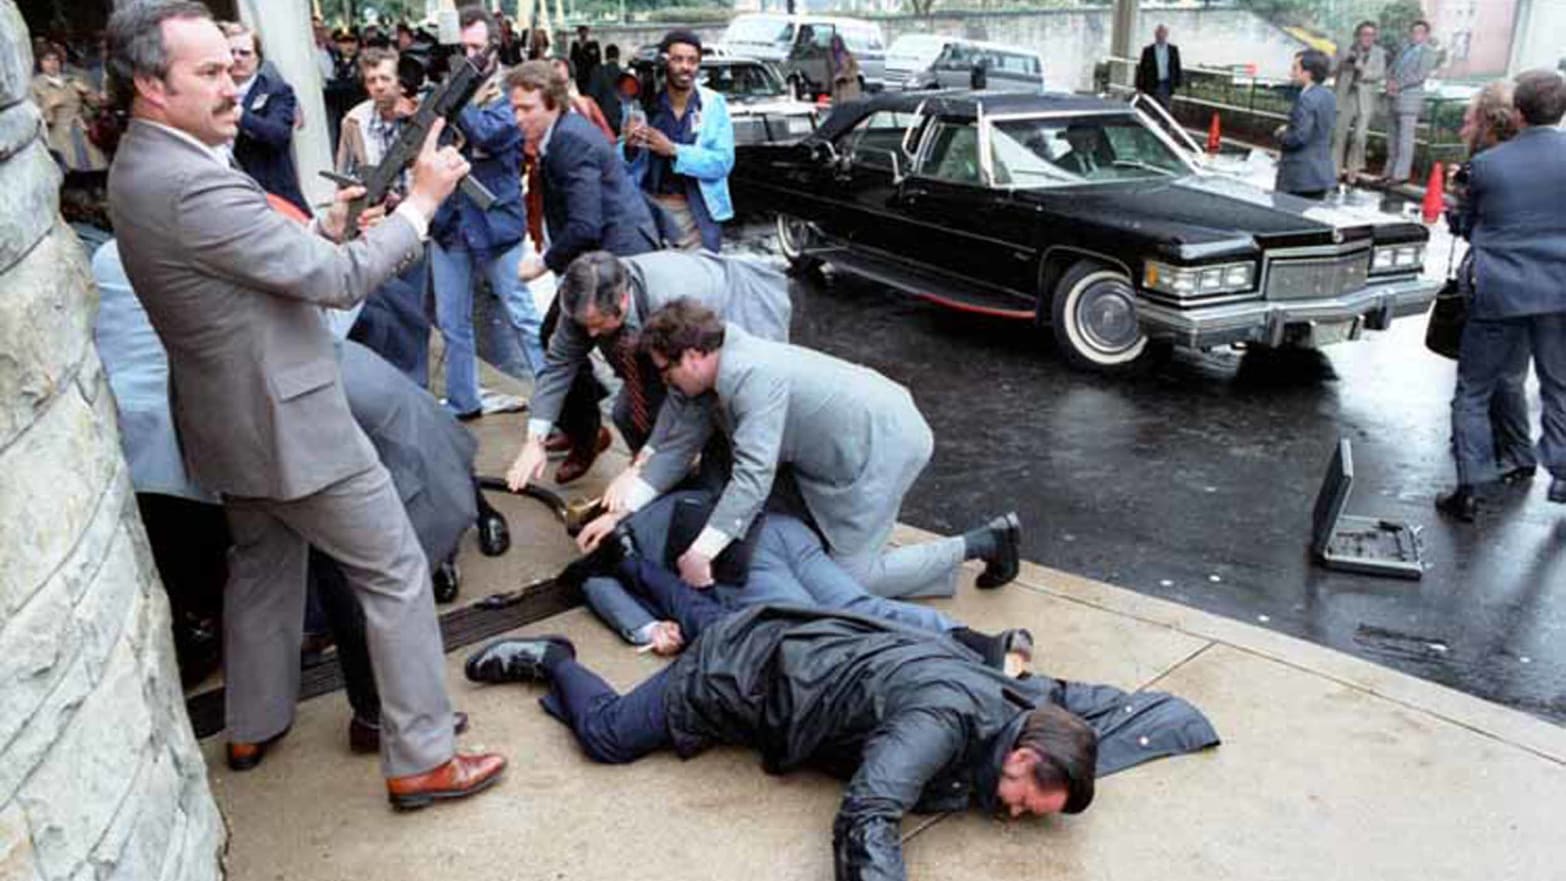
(579, 417)
(616, 729)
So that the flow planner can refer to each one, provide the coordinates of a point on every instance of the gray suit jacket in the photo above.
(745, 292)
(1412, 66)
(1306, 164)
(838, 425)
(1514, 213)
(233, 289)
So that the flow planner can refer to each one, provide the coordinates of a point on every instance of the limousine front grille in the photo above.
(1317, 277)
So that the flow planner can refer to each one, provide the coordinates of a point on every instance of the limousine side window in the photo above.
(954, 153)
(879, 134)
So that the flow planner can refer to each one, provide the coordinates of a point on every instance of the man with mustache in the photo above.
(234, 291)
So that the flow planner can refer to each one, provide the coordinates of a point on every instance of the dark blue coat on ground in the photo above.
(1306, 164)
(264, 145)
(917, 721)
(1516, 217)
(590, 202)
(494, 148)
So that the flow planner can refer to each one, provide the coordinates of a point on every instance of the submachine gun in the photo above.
(445, 101)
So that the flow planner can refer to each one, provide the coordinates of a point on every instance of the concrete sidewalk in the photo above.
(1331, 767)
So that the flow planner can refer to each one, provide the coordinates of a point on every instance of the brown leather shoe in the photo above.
(580, 461)
(243, 756)
(364, 737)
(460, 777)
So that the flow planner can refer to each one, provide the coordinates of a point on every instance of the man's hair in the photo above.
(1494, 115)
(539, 75)
(1420, 23)
(611, 52)
(469, 15)
(679, 327)
(375, 56)
(1360, 28)
(1316, 63)
(1068, 749)
(239, 29)
(135, 39)
(597, 279)
(1540, 96)
(679, 35)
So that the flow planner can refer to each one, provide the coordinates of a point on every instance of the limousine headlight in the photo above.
(1398, 258)
(1198, 281)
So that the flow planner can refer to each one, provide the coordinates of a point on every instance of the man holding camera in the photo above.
(1360, 68)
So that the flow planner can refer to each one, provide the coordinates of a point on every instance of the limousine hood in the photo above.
(1208, 216)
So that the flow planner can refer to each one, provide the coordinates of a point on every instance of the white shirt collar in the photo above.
(219, 154)
(243, 89)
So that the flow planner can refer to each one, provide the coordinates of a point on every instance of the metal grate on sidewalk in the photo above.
(458, 628)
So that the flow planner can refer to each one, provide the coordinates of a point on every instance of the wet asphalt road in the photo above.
(1195, 483)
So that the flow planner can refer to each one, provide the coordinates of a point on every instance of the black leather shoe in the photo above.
(470, 415)
(447, 579)
(516, 660)
(1519, 475)
(1557, 492)
(244, 756)
(493, 534)
(365, 737)
(1002, 567)
(1459, 503)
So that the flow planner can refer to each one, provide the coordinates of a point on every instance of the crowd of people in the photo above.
(268, 359)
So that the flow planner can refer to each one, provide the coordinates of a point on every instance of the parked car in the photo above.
(923, 61)
(1080, 214)
(798, 46)
(760, 105)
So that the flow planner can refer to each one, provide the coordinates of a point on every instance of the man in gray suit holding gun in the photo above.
(852, 439)
(235, 291)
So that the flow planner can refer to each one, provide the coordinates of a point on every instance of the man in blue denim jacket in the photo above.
(466, 241)
(684, 153)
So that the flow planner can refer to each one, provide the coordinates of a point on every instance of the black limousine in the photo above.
(1084, 215)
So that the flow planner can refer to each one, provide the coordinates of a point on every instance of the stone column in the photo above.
(100, 776)
(290, 45)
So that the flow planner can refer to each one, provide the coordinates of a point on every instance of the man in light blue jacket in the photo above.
(683, 154)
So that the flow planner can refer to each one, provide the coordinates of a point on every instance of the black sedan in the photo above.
(1081, 214)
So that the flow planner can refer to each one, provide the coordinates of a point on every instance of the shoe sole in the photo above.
(1014, 541)
(425, 799)
(469, 668)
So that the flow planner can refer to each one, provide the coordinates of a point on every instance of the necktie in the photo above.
(631, 372)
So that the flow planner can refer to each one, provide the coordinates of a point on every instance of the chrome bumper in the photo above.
(1276, 322)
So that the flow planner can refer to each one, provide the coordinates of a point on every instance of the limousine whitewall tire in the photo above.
(795, 238)
(1093, 314)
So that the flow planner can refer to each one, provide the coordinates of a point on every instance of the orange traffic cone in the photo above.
(1435, 194)
(1214, 135)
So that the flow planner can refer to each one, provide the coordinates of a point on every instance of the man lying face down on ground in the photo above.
(915, 721)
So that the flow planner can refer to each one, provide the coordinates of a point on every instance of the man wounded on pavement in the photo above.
(913, 719)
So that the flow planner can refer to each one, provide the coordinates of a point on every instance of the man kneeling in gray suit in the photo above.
(852, 439)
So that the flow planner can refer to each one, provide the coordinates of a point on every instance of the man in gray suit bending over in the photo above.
(605, 301)
(234, 291)
(853, 440)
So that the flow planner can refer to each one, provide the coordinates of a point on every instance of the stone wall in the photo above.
(100, 776)
(1070, 41)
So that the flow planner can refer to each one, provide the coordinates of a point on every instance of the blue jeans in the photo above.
(453, 274)
(1493, 353)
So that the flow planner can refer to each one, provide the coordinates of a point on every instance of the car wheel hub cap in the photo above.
(1107, 316)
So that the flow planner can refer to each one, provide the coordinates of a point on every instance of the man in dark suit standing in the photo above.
(264, 147)
(585, 58)
(1158, 73)
(234, 291)
(1515, 194)
(1305, 168)
(590, 204)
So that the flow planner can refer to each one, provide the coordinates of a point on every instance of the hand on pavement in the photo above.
(529, 465)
